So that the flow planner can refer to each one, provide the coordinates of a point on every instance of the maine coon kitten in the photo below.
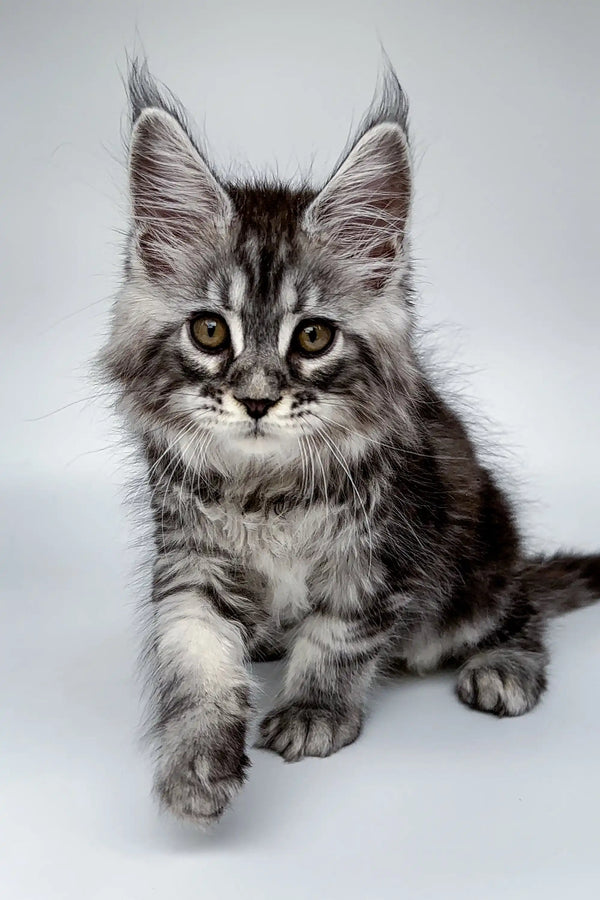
(312, 494)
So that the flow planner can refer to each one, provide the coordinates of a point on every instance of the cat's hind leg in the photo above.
(508, 676)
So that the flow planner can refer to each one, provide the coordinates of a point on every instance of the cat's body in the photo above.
(313, 496)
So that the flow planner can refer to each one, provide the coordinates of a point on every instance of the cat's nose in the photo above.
(257, 408)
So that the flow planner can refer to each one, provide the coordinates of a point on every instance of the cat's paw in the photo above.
(296, 730)
(498, 688)
(199, 781)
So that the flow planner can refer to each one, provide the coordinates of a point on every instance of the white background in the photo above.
(434, 801)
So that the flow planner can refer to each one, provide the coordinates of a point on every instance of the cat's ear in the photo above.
(361, 214)
(178, 204)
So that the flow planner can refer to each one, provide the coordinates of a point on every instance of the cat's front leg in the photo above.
(200, 690)
(331, 665)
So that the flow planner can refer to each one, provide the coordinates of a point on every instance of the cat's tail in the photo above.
(561, 583)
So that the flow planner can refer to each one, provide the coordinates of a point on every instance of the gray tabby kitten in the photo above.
(312, 494)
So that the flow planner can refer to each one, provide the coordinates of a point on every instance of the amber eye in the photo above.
(210, 332)
(313, 337)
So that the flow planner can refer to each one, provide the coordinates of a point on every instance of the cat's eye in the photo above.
(210, 332)
(313, 337)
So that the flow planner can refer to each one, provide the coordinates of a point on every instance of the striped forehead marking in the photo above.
(288, 294)
(238, 289)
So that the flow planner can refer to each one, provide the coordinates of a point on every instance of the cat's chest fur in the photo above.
(281, 547)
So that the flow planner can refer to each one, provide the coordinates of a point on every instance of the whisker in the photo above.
(69, 405)
(342, 462)
(325, 485)
(399, 448)
(303, 452)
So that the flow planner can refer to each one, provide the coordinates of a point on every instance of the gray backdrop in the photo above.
(434, 800)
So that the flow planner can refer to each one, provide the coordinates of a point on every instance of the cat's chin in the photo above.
(258, 443)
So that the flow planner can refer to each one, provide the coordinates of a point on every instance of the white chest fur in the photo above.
(282, 548)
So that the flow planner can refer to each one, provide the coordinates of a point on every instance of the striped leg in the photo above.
(200, 689)
(331, 666)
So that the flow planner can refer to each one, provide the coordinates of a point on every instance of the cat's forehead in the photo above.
(265, 279)
(273, 212)
(276, 289)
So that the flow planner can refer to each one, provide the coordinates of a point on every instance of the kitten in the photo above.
(312, 494)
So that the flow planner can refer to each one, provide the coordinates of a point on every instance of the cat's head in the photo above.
(257, 316)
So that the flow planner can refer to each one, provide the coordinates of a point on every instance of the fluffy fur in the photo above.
(351, 527)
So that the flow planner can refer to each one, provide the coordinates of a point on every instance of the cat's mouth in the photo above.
(260, 427)
(250, 432)
(261, 437)
(261, 430)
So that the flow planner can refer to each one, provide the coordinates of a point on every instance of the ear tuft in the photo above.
(389, 104)
(145, 92)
